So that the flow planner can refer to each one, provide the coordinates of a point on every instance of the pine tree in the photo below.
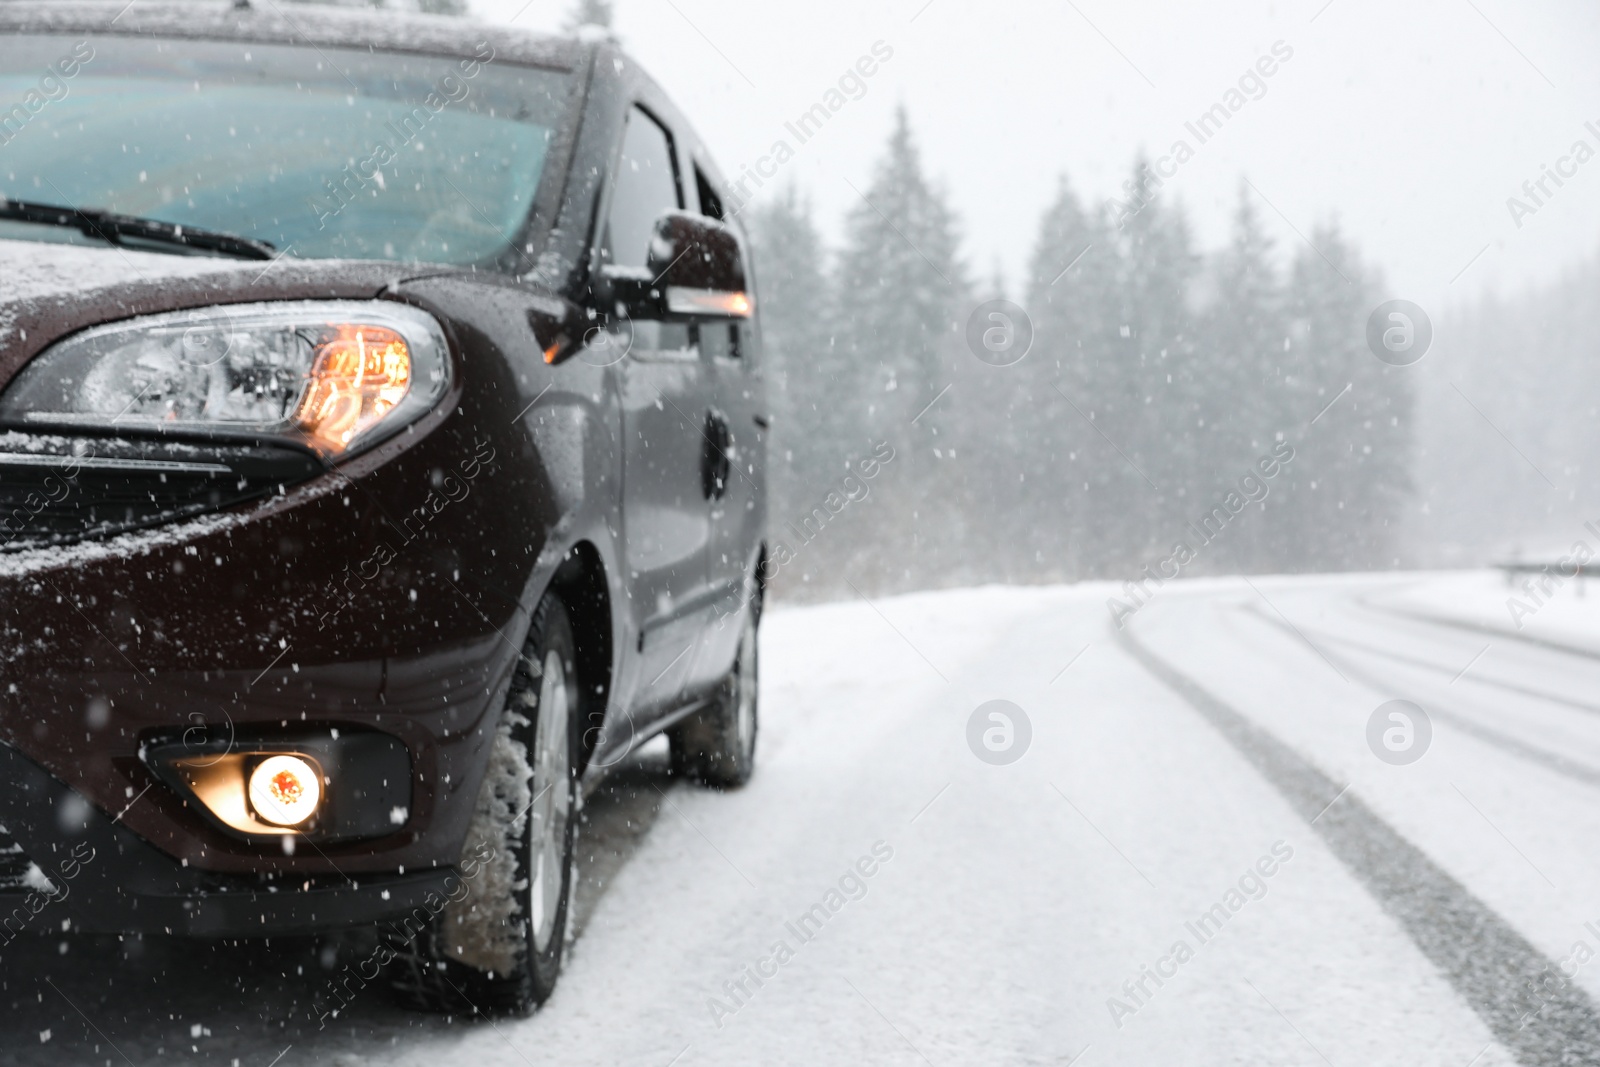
(1152, 391)
(1351, 476)
(901, 285)
(1527, 362)
(1245, 340)
(1072, 279)
(902, 298)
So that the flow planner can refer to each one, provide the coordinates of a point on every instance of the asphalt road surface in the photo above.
(1209, 837)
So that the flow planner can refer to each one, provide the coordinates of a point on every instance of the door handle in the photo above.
(715, 465)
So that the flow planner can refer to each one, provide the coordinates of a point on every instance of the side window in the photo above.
(718, 340)
(710, 202)
(646, 187)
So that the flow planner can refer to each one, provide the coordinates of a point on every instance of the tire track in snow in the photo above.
(1488, 962)
(1439, 668)
(1499, 740)
(1482, 628)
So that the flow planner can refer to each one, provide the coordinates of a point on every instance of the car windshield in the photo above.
(323, 152)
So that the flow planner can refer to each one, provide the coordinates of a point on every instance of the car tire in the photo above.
(498, 948)
(717, 744)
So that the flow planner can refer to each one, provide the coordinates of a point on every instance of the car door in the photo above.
(665, 510)
(738, 426)
(733, 465)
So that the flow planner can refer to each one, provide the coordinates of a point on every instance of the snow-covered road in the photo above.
(1200, 857)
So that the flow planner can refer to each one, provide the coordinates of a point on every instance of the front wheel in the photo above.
(497, 949)
(717, 744)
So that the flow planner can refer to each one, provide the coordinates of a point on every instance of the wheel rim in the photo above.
(552, 804)
(749, 678)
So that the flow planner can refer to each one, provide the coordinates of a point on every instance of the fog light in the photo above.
(327, 784)
(285, 790)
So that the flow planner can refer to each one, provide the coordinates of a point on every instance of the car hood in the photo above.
(48, 291)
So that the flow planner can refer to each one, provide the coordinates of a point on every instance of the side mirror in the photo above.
(695, 270)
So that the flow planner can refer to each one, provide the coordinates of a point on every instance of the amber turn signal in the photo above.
(686, 301)
(359, 374)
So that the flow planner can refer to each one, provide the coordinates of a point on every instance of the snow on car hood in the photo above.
(32, 274)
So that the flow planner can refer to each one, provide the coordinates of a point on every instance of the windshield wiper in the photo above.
(113, 228)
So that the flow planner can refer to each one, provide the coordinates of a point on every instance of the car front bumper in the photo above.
(103, 878)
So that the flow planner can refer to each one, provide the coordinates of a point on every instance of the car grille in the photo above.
(54, 491)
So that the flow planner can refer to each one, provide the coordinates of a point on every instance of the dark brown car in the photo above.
(382, 459)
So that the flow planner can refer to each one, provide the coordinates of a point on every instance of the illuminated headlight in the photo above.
(336, 375)
(285, 790)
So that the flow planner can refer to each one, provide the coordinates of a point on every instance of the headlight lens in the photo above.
(337, 375)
